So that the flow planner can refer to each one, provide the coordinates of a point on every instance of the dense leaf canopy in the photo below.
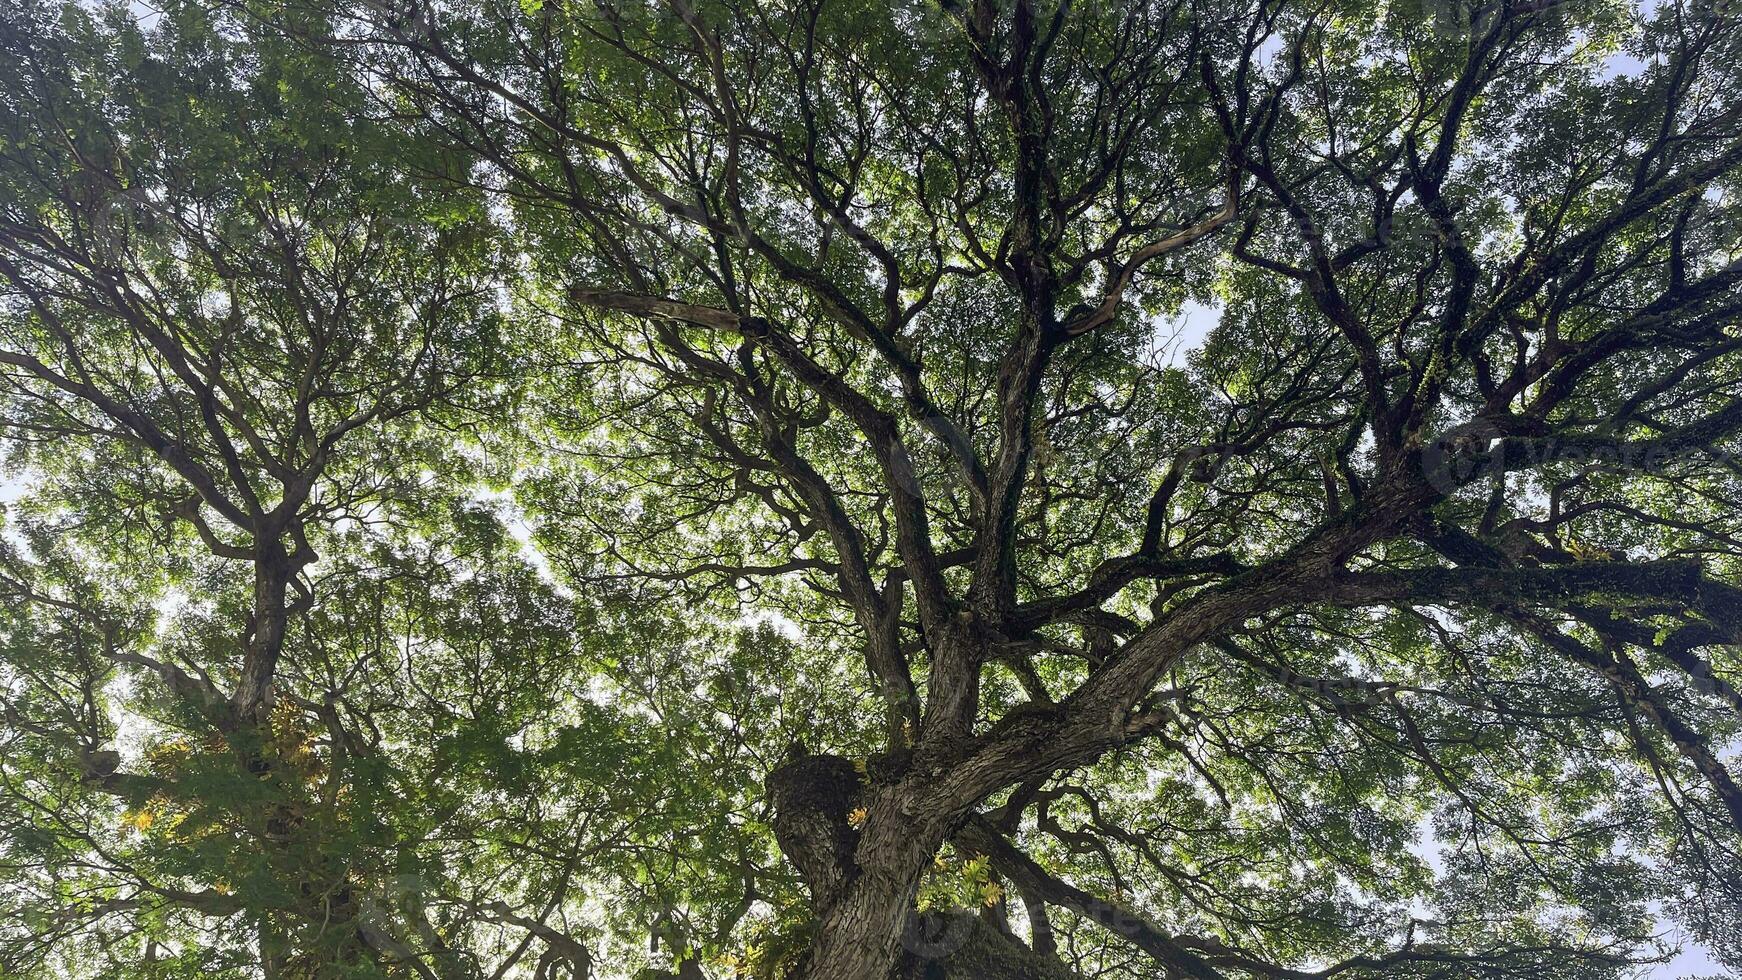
(837, 489)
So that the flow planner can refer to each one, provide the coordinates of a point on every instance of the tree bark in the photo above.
(863, 871)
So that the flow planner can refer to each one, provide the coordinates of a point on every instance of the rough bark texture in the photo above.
(863, 879)
(812, 797)
(966, 946)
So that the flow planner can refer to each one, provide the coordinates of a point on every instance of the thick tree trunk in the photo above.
(969, 946)
(859, 937)
(861, 878)
(863, 881)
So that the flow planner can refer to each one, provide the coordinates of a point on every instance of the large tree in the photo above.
(554, 489)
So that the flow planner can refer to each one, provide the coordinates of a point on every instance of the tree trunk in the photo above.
(863, 880)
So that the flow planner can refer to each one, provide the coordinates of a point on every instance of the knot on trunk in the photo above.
(812, 797)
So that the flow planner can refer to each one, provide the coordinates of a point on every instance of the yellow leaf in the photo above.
(991, 893)
(857, 818)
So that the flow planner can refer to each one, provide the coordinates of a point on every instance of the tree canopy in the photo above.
(845, 490)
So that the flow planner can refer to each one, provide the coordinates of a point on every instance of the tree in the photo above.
(821, 352)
